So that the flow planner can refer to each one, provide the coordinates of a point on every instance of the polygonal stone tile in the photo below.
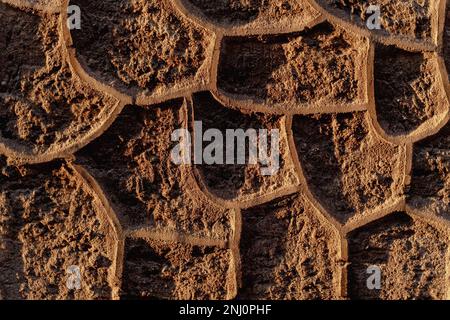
(253, 15)
(411, 255)
(408, 90)
(49, 221)
(413, 19)
(430, 183)
(349, 170)
(240, 182)
(46, 110)
(446, 39)
(141, 46)
(132, 163)
(48, 5)
(287, 252)
(291, 72)
(154, 269)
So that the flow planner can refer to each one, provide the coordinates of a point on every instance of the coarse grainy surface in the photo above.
(123, 174)
(407, 18)
(317, 65)
(410, 253)
(140, 45)
(349, 169)
(44, 106)
(49, 221)
(287, 252)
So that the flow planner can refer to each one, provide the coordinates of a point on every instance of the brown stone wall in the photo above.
(89, 191)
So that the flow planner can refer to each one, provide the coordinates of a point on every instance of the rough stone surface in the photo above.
(411, 254)
(49, 222)
(44, 107)
(398, 17)
(446, 39)
(430, 187)
(287, 252)
(158, 270)
(407, 91)
(320, 65)
(349, 169)
(89, 121)
(134, 165)
(140, 45)
(242, 181)
(255, 12)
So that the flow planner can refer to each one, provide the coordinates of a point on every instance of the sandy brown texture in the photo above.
(287, 252)
(157, 270)
(320, 65)
(349, 169)
(430, 186)
(47, 5)
(44, 107)
(132, 161)
(49, 221)
(140, 45)
(407, 91)
(446, 39)
(412, 256)
(87, 178)
(255, 13)
(241, 182)
(398, 17)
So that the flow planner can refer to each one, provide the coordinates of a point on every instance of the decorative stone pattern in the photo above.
(88, 182)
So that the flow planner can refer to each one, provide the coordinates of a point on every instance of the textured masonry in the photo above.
(87, 180)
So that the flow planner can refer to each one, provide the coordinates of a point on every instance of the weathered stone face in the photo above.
(93, 204)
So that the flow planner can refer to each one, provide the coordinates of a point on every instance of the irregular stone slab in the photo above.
(45, 109)
(411, 254)
(288, 252)
(321, 65)
(253, 14)
(140, 46)
(430, 184)
(408, 91)
(154, 269)
(49, 221)
(406, 18)
(349, 170)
